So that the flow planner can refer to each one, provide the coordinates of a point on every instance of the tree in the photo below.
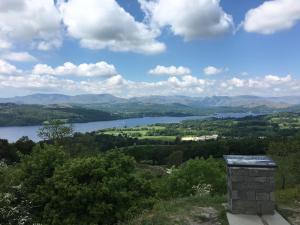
(103, 189)
(14, 209)
(7, 152)
(33, 172)
(40, 165)
(195, 173)
(286, 153)
(175, 158)
(55, 130)
(24, 145)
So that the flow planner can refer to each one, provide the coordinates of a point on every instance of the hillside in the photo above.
(22, 115)
(198, 102)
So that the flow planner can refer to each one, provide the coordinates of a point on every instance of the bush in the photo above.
(14, 209)
(195, 176)
(103, 189)
(40, 165)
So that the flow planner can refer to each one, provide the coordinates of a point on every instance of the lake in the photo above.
(12, 134)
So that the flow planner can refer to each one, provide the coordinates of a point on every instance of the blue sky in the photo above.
(150, 47)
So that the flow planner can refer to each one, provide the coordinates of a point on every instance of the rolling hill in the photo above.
(214, 101)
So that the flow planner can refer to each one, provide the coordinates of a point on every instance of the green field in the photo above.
(151, 132)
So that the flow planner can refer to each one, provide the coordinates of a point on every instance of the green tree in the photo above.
(175, 158)
(103, 189)
(7, 152)
(24, 145)
(55, 130)
(14, 209)
(194, 173)
(286, 153)
(33, 172)
(40, 165)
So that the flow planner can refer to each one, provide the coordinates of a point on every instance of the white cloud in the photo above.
(270, 85)
(237, 82)
(191, 19)
(7, 68)
(276, 79)
(82, 70)
(38, 83)
(272, 16)
(170, 71)
(19, 57)
(5, 44)
(44, 78)
(211, 70)
(104, 24)
(33, 21)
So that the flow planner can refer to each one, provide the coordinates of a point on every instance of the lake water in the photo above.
(12, 134)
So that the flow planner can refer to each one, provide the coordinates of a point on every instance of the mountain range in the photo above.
(247, 101)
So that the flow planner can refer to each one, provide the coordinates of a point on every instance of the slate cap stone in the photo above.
(259, 161)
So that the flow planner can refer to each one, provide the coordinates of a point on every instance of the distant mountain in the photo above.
(47, 99)
(246, 101)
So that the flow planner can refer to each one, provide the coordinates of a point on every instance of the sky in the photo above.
(150, 47)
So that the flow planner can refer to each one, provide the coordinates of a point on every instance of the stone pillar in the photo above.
(250, 187)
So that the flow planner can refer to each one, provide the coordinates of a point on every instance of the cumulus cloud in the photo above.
(191, 19)
(268, 84)
(211, 70)
(170, 71)
(7, 68)
(30, 21)
(104, 24)
(19, 57)
(272, 16)
(82, 70)
(4, 44)
(44, 78)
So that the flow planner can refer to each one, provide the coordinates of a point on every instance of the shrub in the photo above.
(195, 173)
(102, 189)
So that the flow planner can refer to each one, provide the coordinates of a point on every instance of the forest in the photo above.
(116, 176)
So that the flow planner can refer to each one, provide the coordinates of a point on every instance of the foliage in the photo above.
(24, 115)
(95, 190)
(286, 152)
(184, 211)
(7, 152)
(24, 145)
(40, 165)
(195, 172)
(14, 209)
(55, 130)
(175, 158)
(289, 196)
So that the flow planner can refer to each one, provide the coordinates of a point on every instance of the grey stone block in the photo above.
(251, 190)
(251, 195)
(266, 207)
(262, 196)
(234, 195)
(261, 179)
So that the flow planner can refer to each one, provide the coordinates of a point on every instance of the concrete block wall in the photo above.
(251, 190)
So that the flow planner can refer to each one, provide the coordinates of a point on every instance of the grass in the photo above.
(161, 138)
(184, 211)
(288, 197)
(141, 133)
(288, 204)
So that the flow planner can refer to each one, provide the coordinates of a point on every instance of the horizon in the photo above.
(70, 95)
(132, 49)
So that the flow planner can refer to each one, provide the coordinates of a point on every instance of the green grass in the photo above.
(141, 132)
(183, 211)
(288, 197)
(161, 138)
